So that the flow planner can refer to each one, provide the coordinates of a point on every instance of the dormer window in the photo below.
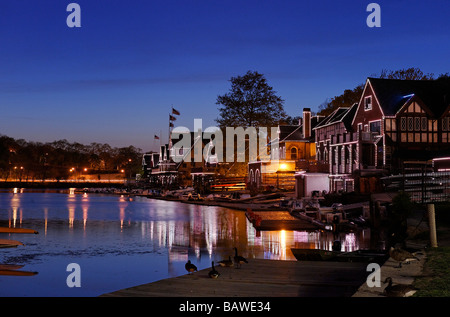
(368, 103)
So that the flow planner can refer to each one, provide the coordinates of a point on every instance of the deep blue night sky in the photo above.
(115, 79)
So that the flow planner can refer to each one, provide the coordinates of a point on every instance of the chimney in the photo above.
(306, 123)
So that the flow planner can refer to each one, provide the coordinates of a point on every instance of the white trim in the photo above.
(368, 108)
(361, 99)
(406, 102)
(377, 120)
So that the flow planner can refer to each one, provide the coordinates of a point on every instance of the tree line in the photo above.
(23, 160)
(251, 101)
(352, 96)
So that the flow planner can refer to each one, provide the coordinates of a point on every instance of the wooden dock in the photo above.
(277, 220)
(260, 278)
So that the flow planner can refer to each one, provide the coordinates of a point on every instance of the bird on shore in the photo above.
(227, 263)
(238, 260)
(190, 267)
(402, 256)
(213, 273)
(398, 290)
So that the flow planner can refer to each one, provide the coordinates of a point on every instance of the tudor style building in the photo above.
(394, 122)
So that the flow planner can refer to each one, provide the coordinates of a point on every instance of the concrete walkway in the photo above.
(260, 278)
(404, 275)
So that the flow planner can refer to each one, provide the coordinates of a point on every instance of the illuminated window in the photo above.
(416, 137)
(424, 137)
(394, 137)
(445, 124)
(410, 137)
(368, 103)
(403, 137)
(293, 153)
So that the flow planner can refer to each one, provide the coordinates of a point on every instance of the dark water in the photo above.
(120, 242)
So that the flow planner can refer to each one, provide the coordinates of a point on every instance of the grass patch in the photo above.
(436, 279)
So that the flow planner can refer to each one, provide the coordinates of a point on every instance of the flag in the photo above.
(172, 118)
(174, 111)
(170, 124)
(156, 137)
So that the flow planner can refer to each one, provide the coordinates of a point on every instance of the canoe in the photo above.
(12, 243)
(17, 273)
(17, 230)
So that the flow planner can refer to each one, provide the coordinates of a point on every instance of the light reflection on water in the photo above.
(122, 241)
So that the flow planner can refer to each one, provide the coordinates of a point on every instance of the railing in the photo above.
(368, 136)
(426, 187)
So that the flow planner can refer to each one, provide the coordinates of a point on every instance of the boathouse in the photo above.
(395, 121)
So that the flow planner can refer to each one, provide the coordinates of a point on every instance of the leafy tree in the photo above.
(347, 99)
(402, 207)
(406, 74)
(33, 160)
(250, 102)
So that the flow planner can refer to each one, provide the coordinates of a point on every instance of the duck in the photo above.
(398, 290)
(213, 273)
(401, 256)
(227, 263)
(238, 260)
(190, 267)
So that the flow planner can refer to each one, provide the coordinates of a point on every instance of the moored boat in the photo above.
(17, 230)
(314, 254)
(6, 243)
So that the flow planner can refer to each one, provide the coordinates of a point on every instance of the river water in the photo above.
(120, 241)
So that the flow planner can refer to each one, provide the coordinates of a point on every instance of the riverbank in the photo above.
(259, 278)
(266, 278)
(430, 274)
(61, 184)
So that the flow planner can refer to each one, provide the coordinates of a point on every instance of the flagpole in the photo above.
(169, 138)
(171, 119)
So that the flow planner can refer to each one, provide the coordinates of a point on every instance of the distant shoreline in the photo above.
(55, 185)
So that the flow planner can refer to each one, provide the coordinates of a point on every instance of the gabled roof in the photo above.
(392, 94)
(332, 117)
(342, 114)
(290, 132)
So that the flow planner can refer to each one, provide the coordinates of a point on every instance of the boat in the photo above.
(314, 254)
(366, 256)
(13, 270)
(304, 215)
(17, 273)
(5, 243)
(4, 267)
(17, 230)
